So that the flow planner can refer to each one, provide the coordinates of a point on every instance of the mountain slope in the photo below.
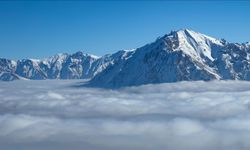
(182, 55)
(61, 66)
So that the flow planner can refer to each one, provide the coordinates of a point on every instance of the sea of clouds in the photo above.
(60, 115)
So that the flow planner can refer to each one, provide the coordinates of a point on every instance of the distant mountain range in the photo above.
(182, 55)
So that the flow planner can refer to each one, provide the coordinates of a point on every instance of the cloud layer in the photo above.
(55, 115)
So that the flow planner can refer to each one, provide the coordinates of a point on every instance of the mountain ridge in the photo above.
(182, 55)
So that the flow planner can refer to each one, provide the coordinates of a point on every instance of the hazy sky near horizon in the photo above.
(41, 29)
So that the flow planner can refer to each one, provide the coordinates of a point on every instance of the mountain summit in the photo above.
(192, 43)
(182, 55)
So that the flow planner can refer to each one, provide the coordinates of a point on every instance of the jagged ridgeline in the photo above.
(182, 55)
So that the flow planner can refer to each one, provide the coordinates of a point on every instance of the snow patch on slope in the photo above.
(196, 44)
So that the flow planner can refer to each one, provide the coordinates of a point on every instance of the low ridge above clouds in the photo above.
(182, 55)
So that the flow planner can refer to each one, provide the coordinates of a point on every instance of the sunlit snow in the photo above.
(62, 115)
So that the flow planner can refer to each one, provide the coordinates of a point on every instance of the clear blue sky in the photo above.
(40, 29)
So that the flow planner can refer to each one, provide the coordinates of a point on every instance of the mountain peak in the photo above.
(185, 30)
(197, 36)
(194, 44)
(80, 54)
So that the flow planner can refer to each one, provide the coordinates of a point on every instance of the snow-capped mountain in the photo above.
(61, 66)
(178, 56)
(182, 55)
